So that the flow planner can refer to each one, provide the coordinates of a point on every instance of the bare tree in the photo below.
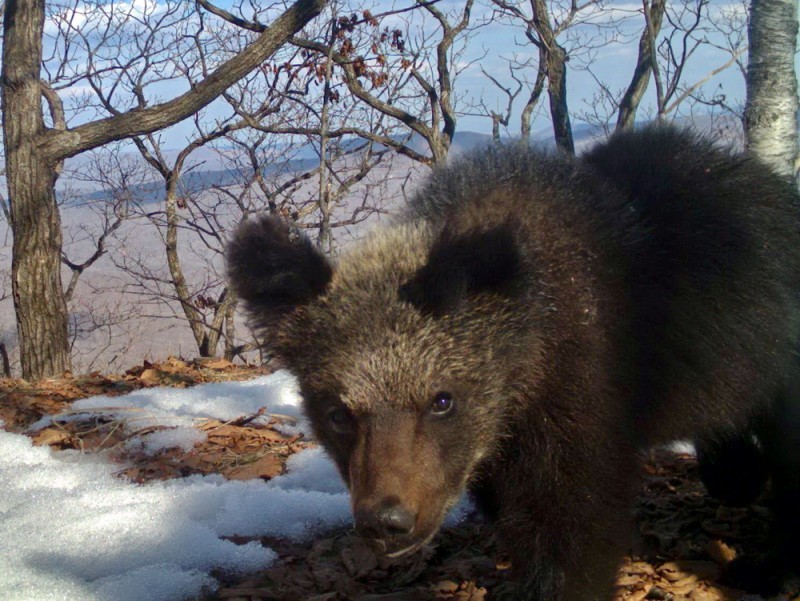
(193, 221)
(690, 29)
(567, 36)
(646, 63)
(502, 118)
(34, 153)
(674, 38)
(671, 38)
(548, 27)
(406, 74)
(771, 110)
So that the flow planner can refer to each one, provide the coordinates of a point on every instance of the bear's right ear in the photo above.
(274, 268)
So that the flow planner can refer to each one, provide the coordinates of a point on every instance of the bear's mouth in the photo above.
(404, 551)
(394, 548)
(424, 530)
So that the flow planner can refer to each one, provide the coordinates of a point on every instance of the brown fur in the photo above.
(576, 311)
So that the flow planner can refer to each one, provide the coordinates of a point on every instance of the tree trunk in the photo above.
(555, 57)
(221, 313)
(5, 360)
(193, 316)
(644, 65)
(36, 264)
(771, 111)
(533, 100)
(557, 91)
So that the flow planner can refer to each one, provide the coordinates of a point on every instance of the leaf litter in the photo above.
(682, 540)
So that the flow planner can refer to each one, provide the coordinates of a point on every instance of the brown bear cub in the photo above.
(529, 325)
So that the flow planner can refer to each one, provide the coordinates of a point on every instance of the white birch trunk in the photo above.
(771, 110)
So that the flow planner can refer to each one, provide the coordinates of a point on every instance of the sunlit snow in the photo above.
(70, 529)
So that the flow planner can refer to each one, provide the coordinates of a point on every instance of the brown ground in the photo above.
(681, 539)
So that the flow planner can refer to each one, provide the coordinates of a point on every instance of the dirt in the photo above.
(681, 540)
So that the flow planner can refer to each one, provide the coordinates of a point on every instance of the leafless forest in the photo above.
(159, 125)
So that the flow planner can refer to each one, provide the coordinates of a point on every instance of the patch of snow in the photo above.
(460, 511)
(70, 529)
(179, 409)
(311, 470)
(182, 437)
(681, 446)
(180, 406)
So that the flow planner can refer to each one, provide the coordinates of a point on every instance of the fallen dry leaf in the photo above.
(470, 592)
(720, 552)
(213, 363)
(445, 587)
(267, 467)
(51, 436)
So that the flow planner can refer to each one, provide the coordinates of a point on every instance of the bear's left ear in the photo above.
(274, 268)
(461, 264)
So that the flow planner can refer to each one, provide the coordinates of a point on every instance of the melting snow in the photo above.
(69, 529)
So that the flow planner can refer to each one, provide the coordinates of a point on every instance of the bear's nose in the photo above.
(388, 519)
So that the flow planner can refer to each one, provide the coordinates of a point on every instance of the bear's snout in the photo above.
(386, 520)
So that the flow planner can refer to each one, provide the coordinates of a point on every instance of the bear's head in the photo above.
(405, 351)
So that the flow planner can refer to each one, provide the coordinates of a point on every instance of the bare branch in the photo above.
(58, 145)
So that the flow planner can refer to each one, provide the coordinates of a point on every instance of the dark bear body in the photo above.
(533, 323)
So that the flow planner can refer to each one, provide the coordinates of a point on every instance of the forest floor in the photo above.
(681, 539)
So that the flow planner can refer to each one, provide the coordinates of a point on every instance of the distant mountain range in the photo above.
(210, 167)
(198, 180)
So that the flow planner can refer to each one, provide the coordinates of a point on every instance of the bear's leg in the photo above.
(780, 435)
(783, 449)
(565, 523)
(732, 466)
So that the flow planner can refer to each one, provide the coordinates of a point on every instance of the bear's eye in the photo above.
(442, 403)
(340, 419)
